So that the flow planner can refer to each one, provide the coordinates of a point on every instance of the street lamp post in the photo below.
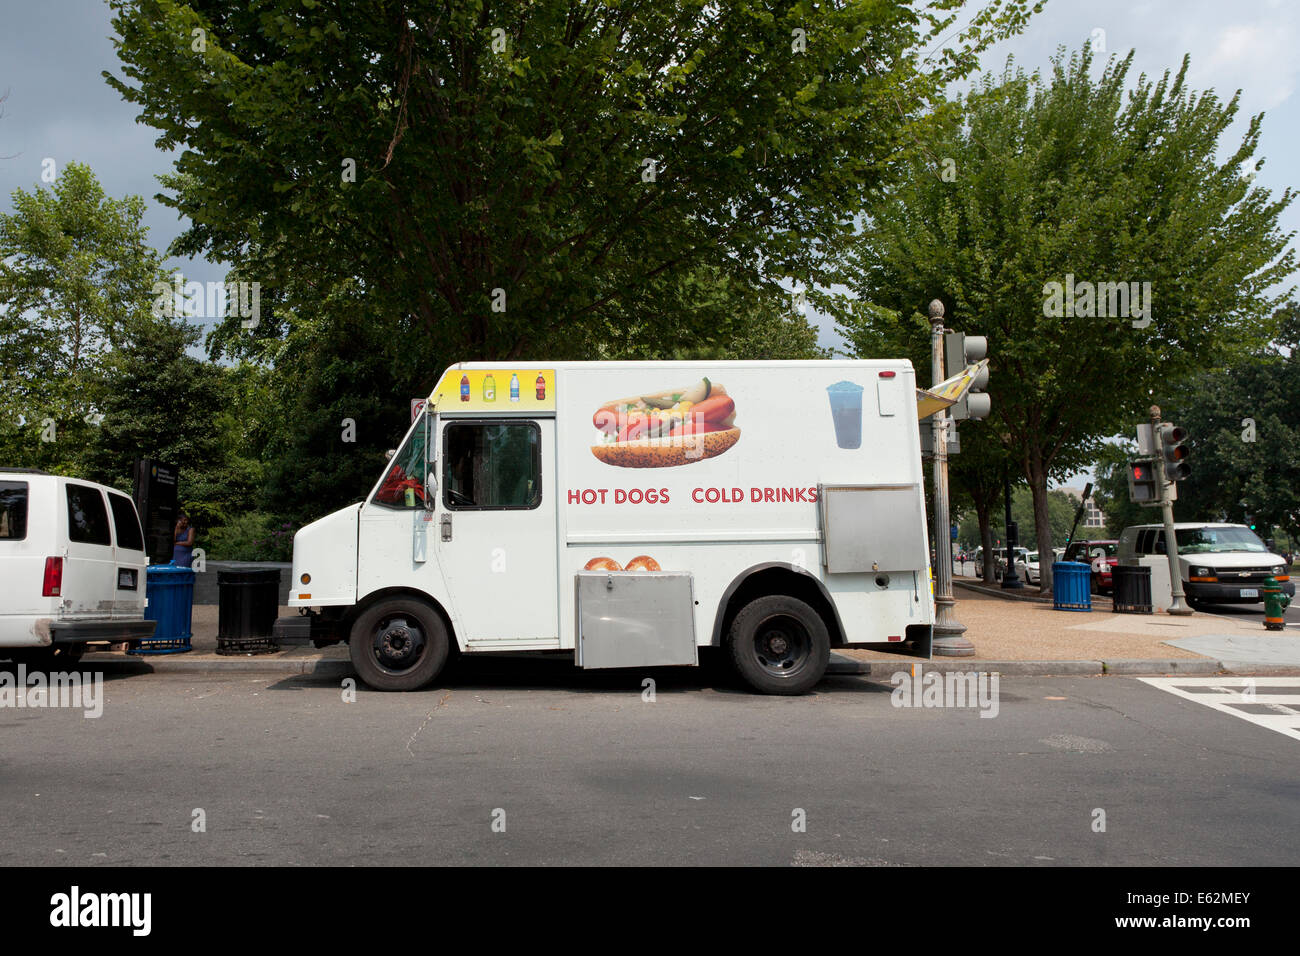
(1010, 580)
(949, 639)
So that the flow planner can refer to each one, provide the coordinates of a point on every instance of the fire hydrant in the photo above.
(1275, 602)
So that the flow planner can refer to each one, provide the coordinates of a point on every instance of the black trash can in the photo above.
(248, 603)
(1132, 589)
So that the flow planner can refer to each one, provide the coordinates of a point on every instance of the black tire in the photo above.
(779, 645)
(399, 644)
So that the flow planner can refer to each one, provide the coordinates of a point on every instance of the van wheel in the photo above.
(779, 645)
(399, 644)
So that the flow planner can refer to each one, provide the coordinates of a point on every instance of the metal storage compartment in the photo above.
(635, 619)
(872, 528)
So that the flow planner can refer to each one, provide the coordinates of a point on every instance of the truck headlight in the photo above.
(1201, 572)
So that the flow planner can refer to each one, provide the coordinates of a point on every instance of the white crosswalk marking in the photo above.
(1272, 702)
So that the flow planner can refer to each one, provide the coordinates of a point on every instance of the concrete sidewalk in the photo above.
(1021, 635)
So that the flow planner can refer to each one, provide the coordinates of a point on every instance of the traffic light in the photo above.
(959, 351)
(1171, 438)
(1142, 482)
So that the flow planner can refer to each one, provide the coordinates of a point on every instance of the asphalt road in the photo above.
(286, 772)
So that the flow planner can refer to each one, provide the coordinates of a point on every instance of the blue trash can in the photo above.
(170, 591)
(1071, 586)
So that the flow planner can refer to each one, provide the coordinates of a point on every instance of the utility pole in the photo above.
(1010, 580)
(1163, 484)
(949, 639)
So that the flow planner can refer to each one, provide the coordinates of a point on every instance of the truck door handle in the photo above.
(445, 523)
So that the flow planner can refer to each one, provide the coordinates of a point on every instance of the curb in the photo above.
(998, 592)
(838, 666)
(878, 670)
(321, 667)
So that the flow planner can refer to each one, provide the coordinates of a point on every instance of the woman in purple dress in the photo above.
(183, 546)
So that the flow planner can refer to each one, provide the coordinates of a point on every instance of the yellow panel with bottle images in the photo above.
(514, 391)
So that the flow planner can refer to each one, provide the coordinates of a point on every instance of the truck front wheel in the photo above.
(399, 644)
(779, 645)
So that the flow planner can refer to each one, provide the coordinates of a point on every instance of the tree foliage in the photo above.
(93, 378)
(1070, 176)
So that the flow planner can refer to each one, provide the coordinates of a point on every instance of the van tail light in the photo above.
(53, 577)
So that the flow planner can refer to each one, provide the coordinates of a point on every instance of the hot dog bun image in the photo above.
(664, 429)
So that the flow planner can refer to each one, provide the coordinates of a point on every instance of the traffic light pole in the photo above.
(1176, 604)
(948, 631)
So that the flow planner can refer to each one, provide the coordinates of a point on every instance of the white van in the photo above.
(73, 564)
(631, 513)
(1220, 563)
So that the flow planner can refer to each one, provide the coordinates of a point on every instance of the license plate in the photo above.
(1250, 592)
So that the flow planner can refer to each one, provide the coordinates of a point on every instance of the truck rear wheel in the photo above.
(779, 645)
(399, 644)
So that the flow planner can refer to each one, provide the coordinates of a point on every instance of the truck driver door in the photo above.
(495, 536)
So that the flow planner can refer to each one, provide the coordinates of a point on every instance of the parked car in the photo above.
(1019, 554)
(1101, 555)
(1027, 567)
(1220, 563)
(72, 560)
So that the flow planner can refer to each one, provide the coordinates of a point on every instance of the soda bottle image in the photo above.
(464, 388)
(514, 387)
(489, 388)
(541, 388)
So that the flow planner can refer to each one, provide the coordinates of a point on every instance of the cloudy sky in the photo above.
(53, 52)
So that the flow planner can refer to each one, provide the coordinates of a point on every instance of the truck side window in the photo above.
(491, 465)
(87, 516)
(1144, 542)
(13, 510)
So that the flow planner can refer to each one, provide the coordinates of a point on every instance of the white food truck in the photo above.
(633, 512)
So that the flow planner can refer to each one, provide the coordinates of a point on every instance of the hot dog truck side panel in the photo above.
(631, 512)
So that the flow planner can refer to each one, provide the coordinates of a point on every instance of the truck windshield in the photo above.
(403, 484)
(1210, 540)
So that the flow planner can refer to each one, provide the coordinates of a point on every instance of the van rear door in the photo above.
(129, 558)
(90, 568)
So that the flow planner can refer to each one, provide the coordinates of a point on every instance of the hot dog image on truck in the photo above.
(674, 427)
(632, 531)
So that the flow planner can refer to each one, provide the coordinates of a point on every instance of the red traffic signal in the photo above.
(1142, 482)
(1175, 453)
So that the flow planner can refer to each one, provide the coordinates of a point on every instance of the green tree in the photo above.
(94, 379)
(1039, 181)
(436, 182)
(1243, 426)
(532, 179)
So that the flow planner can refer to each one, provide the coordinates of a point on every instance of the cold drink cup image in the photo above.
(846, 412)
